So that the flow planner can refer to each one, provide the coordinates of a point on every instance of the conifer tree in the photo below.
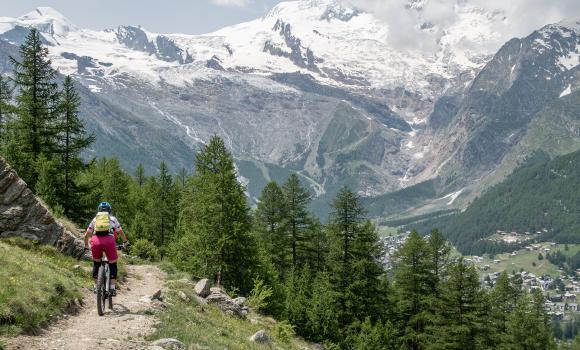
(413, 281)
(503, 299)
(182, 178)
(270, 219)
(322, 323)
(345, 226)
(37, 106)
(459, 323)
(298, 220)
(354, 260)
(73, 140)
(166, 203)
(298, 293)
(215, 218)
(6, 108)
(440, 254)
(140, 175)
(528, 325)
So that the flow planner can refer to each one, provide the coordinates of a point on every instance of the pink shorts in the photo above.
(100, 244)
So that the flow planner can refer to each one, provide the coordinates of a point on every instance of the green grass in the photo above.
(206, 326)
(36, 283)
(526, 259)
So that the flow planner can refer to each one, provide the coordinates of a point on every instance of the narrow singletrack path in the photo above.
(122, 328)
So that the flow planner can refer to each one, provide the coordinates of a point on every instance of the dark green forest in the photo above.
(326, 280)
(541, 194)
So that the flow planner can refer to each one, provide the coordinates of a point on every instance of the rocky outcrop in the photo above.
(221, 299)
(22, 214)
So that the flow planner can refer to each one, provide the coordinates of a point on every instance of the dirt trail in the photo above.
(122, 328)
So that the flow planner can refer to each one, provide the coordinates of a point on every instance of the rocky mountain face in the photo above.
(316, 87)
(22, 214)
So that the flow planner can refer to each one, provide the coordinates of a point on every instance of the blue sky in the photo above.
(168, 16)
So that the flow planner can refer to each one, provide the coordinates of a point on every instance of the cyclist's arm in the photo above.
(122, 233)
(89, 233)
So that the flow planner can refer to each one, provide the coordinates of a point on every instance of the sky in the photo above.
(167, 16)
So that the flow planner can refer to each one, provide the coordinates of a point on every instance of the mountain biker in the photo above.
(104, 240)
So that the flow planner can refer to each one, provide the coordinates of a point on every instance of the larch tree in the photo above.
(72, 140)
(37, 106)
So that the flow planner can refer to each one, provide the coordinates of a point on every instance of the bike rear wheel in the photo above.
(101, 292)
(110, 297)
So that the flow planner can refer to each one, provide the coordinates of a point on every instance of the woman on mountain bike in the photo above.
(102, 232)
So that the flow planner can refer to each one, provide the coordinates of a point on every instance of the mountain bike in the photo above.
(103, 285)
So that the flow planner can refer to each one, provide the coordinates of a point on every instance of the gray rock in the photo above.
(157, 295)
(240, 301)
(22, 214)
(261, 337)
(169, 344)
(155, 347)
(202, 288)
(182, 295)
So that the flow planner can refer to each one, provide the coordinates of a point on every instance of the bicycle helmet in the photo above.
(105, 206)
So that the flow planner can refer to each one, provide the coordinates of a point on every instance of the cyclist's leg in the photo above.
(111, 252)
(97, 254)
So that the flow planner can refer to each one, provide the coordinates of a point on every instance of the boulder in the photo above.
(202, 288)
(224, 303)
(169, 344)
(22, 214)
(240, 301)
(260, 337)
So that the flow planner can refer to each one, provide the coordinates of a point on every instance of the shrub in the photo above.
(259, 295)
(144, 249)
(284, 331)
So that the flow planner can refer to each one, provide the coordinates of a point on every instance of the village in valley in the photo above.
(529, 266)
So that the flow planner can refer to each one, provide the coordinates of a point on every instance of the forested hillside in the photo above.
(542, 194)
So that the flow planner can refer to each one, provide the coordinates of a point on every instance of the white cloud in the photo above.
(233, 3)
(522, 17)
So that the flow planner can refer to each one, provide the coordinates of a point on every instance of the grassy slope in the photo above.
(524, 259)
(37, 283)
(207, 327)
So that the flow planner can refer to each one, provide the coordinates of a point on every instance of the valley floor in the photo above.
(122, 328)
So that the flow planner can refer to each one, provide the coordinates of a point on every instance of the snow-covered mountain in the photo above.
(337, 44)
(314, 86)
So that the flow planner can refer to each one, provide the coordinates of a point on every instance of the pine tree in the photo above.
(167, 206)
(37, 106)
(140, 175)
(299, 293)
(6, 108)
(345, 225)
(215, 216)
(181, 178)
(503, 298)
(440, 255)
(45, 185)
(298, 218)
(354, 261)
(322, 323)
(72, 141)
(270, 220)
(413, 278)
(459, 323)
(528, 325)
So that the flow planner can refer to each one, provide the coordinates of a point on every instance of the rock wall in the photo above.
(23, 214)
